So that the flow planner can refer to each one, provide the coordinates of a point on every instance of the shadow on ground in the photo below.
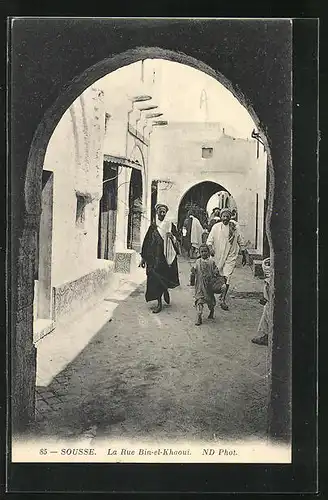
(160, 376)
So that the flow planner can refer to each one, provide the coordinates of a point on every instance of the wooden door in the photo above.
(108, 214)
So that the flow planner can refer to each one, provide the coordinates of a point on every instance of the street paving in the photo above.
(143, 375)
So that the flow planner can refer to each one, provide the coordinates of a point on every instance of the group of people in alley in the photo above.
(214, 253)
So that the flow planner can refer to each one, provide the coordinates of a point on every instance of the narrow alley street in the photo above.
(149, 153)
(121, 371)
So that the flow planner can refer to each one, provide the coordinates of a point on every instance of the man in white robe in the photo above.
(225, 240)
(192, 233)
(196, 234)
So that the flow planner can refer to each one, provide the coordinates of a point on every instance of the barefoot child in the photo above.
(204, 272)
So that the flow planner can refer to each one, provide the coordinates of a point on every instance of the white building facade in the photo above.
(94, 201)
(191, 154)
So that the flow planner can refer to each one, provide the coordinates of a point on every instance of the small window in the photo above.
(80, 210)
(207, 152)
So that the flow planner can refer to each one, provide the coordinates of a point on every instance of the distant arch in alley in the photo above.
(200, 193)
(220, 200)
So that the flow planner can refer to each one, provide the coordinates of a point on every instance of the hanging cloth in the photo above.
(196, 232)
(164, 227)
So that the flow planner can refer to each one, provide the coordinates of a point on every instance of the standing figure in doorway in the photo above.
(225, 240)
(159, 256)
(193, 234)
(186, 232)
(196, 236)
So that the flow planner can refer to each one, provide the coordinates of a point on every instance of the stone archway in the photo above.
(24, 366)
(200, 194)
(222, 199)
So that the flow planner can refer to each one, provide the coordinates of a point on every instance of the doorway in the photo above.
(135, 211)
(154, 197)
(199, 194)
(108, 213)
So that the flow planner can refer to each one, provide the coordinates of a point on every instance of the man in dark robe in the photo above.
(159, 256)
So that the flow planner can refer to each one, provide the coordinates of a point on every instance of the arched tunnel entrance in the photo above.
(199, 194)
